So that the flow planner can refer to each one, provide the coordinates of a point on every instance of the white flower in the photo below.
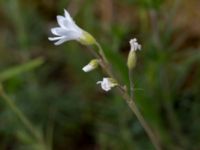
(68, 30)
(134, 45)
(107, 83)
(91, 66)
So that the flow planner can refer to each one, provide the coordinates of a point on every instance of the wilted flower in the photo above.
(131, 61)
(107, 83)
(91, 66)
(68, 30)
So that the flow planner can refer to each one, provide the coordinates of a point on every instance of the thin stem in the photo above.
(19, 114)
(101, 52)
(130, 74)
(141, 119)
(104, 64)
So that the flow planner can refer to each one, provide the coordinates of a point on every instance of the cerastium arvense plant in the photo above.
(68, 30)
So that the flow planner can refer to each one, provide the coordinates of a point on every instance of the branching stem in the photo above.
(129, 99)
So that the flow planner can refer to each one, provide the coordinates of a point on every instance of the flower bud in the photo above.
(131, 61)
(93, 64)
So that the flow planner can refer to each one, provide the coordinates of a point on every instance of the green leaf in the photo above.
(19, 69)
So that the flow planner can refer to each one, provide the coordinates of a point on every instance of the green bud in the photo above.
(131, 61)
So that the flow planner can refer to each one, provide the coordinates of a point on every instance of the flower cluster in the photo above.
(68, 30)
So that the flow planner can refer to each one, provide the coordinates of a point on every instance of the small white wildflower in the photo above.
(107, 83)
(93, 64)
(134, 45)
(131, 61)
(68, 30)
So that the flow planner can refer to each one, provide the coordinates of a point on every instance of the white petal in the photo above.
(99, 82)
(58, 31)
(61, 41)
(55, 38)
(105, 86)
(61, 20)
(67, 16)
(73, 35)
(66, 24)
(88, 68)
(66, 21)
(69, 22)
(134, 45)
(67, 38)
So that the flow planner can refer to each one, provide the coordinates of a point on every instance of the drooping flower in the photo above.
(131, 61)
(93, 64)
(107, 83)
(68, 30)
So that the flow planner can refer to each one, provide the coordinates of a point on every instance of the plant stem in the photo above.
(101, 52)
(130, 74)
(20, 115)
(141, 119)
(130, 100)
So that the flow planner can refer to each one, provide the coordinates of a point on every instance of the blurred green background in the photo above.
(63, 101)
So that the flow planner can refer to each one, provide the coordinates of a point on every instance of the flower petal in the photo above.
(67, 16)
(66, 38)
(87, 68)
(134, 45)
(61, 41)
(61, 20)
(58, 31)
(69, 23)
(66, 24)
(55, 38)
(99, 82)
